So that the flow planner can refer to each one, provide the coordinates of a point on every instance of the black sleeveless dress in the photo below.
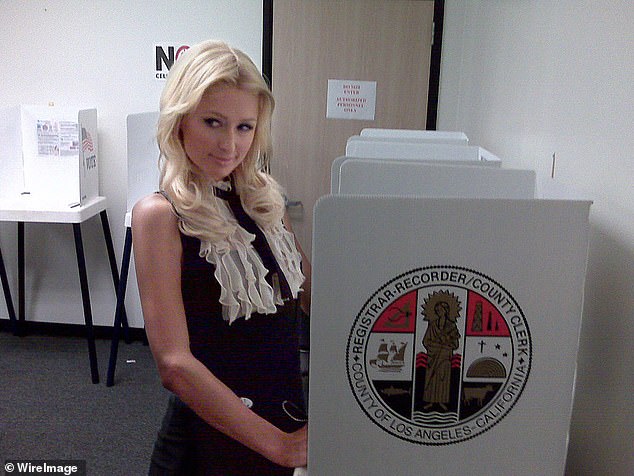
(257, 358)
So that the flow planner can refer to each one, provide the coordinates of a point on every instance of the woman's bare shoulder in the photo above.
(153, 210)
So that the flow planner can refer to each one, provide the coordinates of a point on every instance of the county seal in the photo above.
(438, 355)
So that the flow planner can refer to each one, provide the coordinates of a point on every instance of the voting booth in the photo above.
(439, 175)
(49, 174)
(446, 310)
(433, 147)
(143, 179)
(49, 153)
(143, 158)
(446, 137)
(424, 148)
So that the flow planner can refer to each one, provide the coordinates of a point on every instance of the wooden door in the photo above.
(386, 41)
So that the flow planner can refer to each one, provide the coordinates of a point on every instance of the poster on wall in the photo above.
(165, 55)
(56, 138)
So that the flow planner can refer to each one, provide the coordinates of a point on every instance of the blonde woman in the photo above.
(218, 273)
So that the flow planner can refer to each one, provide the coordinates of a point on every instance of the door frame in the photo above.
(434, 64)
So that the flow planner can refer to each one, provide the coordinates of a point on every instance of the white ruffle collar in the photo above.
(241, 273)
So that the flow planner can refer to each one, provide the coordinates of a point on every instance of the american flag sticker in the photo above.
(87, 145)
(88, 150)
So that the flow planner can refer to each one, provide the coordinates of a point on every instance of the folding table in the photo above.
(26, 208)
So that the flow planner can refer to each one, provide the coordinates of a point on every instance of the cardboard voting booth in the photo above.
(434, 147)
(341, 163)
(409, 148)
(375, 177)
(49, 153)
(394, 172)
(143, 157)
(446, 137)
(444, 329)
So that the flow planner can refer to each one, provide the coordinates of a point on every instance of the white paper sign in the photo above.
(57, 138)
(351, 99)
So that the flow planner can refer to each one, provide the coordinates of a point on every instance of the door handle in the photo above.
(294, 208)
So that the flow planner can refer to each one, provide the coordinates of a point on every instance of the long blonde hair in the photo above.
(202, 67)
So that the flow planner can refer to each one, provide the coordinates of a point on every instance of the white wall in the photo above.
(97, 53)
(526, 79)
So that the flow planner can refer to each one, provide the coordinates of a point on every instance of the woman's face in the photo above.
(218, 134)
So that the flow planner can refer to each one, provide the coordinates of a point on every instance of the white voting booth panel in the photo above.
(375, 177)
(11, 167)
(444, 334)
(143, 157)
(335, 170)
(447, 137)
(389, 148)
(50, 153)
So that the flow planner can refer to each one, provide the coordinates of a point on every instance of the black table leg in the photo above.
(7, 295)
(120, 310)
(85, 295)
(21, 301)
(113, 269)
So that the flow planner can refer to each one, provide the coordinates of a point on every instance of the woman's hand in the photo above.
(291, 450)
